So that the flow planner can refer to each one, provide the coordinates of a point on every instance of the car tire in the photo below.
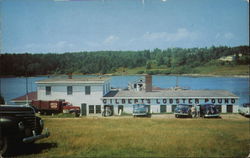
(5, 146)
(76, 114)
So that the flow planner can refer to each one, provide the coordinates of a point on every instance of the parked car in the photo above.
(244, 109)
(209, 110)
(18, 124)
(141, 110)
(182, 110)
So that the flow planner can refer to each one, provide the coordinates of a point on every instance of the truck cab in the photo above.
(18, 124)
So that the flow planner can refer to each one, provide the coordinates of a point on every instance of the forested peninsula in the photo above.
(220, 60)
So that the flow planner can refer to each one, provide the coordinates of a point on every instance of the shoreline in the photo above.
(184, 75)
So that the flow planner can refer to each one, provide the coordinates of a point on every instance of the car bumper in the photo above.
(182, 114)
(246, 114)
(211, 115)
(36, 137)
(140, 114)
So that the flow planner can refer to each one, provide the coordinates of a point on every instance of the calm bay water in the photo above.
(15, 87)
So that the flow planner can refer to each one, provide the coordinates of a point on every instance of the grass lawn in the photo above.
(225, 70)
(144, 137)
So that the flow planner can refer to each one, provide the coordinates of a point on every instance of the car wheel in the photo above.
(4, 146)
(176, 116)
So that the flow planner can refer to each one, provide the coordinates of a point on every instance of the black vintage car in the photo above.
(18, 125)
(209, 110)
(183, 110)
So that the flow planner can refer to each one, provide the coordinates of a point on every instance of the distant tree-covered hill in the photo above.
(173, 60)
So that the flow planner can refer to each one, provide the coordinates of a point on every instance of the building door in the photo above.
(173, 107)
(83, 109)
(149, 108)
(120, 107)
(163, 108)
(229, 108)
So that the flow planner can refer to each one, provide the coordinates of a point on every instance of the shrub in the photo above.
(140, 72)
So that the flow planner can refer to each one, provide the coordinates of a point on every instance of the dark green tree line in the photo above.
(109, 61)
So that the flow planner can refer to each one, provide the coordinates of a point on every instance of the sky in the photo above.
(58, 26)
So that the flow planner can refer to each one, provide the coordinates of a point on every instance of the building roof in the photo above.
(139, 80)
(171, 94)
(74, 80)
(31, 96)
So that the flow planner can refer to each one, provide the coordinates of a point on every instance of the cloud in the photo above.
(110, 39)
(180, 34)
(225, 36)
(31, 45)
(63, 44)
(106, 43)
(228, 35)
(60, 46)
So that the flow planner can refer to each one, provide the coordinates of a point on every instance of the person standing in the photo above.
(193, 111)
(197, 110)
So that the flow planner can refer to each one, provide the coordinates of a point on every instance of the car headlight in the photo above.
(21, 126)
(41, 123)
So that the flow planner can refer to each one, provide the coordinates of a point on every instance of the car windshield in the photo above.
(139, 108)
(182, 106)
(211, 109)
(246, 105)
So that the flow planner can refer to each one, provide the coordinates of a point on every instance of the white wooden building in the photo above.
(96, 94)
(77, 91)
(165, 100)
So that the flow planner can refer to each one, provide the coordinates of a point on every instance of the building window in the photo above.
(91, 109)
(87, 90)
(98, 109)
(48, 90)
(135, 85)
(69, 90)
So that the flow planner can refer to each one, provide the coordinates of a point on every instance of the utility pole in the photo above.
(0, 86)
(1, 46)
(27, 98)
(1, 34)
(177, 82)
